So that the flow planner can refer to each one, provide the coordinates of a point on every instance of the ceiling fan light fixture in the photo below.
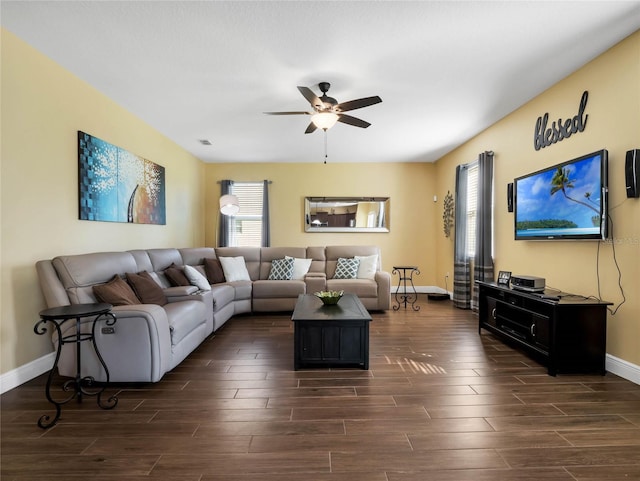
(324, 120)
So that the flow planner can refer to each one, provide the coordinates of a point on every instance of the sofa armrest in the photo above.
(179, 291)
(315, 281)
(53, 290)
(383, 279)
(315, 274)
(137, 348)
(158, 329)
(192, 293)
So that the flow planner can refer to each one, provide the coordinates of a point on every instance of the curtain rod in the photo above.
(247, 181)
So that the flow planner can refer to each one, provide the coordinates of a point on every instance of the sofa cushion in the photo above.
(281, 269)
(359, 287)
(85, 270)
(252, 259)
(367, 266)
(234, 269)
(333, 253)
(223, 294)
(318, 260)
(163, 258)
(194, 256)
(116, 292)
(300, 267)
(213, 270)
(266, 289)
(176, 276)
(242, 290)
(347, 268)
(147, 290)
(184, 317)
(196, 278)
(82, 295)
(143, 262)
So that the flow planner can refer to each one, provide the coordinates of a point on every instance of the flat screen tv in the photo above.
(564, 201)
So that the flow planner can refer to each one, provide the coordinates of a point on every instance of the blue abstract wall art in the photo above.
(118, 186)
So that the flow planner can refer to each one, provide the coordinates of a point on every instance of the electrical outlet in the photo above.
(108, 330)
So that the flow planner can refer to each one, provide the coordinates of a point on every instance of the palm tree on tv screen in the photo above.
(562, 182)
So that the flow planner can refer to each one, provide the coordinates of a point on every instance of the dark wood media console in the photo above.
(565, 332)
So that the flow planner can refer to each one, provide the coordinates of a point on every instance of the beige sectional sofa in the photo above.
(152, 339)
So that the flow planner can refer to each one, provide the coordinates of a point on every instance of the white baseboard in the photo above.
(27, 372)
(419, 290)
(22, 374)
(622, 368)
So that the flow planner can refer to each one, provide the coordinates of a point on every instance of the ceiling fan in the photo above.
(327, 111)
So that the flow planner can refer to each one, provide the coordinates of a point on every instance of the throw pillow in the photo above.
(281, 269)
(176, 276)
(367, 267)
(116, 292)
(213, 270)
(196, 278)
(234, 269)
(300, 267)
(147, 290)
(347, 268)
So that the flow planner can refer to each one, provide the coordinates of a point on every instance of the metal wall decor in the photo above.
(448, 213)
(560, 129)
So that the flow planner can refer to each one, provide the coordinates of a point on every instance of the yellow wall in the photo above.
(612, 81)
(43, 107)
(410, 187)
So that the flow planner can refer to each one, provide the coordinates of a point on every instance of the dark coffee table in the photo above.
(76, 313)
(327, 336)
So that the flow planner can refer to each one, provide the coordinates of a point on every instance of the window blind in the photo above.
(472, 207)
(247, 226)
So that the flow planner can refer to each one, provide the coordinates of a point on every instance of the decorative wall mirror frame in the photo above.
(346, 214)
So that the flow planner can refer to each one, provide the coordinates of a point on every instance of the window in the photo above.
(246, 225)
(472, 207)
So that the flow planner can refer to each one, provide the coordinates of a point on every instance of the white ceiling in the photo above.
(209, 69)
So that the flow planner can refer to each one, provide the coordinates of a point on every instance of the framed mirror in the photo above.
(346, 214)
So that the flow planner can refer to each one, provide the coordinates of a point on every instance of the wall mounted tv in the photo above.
(564, 201)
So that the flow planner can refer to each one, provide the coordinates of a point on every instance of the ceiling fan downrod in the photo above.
(328, 102)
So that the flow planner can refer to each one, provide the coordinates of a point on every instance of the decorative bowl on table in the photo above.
(329, 298)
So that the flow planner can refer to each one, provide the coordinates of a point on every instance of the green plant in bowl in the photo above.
(329, 298)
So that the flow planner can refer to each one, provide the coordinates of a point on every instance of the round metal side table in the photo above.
(405, 280)
(58, 317)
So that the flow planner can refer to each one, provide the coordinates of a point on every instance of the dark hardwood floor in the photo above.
(439, 403)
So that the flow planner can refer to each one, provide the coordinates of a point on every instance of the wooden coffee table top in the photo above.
(310, 308)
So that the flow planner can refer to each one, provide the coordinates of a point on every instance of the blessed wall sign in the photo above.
(561, 129)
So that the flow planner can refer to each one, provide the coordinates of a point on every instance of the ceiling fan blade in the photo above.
(348, 119)
(288, 113)
(310, 128)
(312, 98)
(357, 104)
